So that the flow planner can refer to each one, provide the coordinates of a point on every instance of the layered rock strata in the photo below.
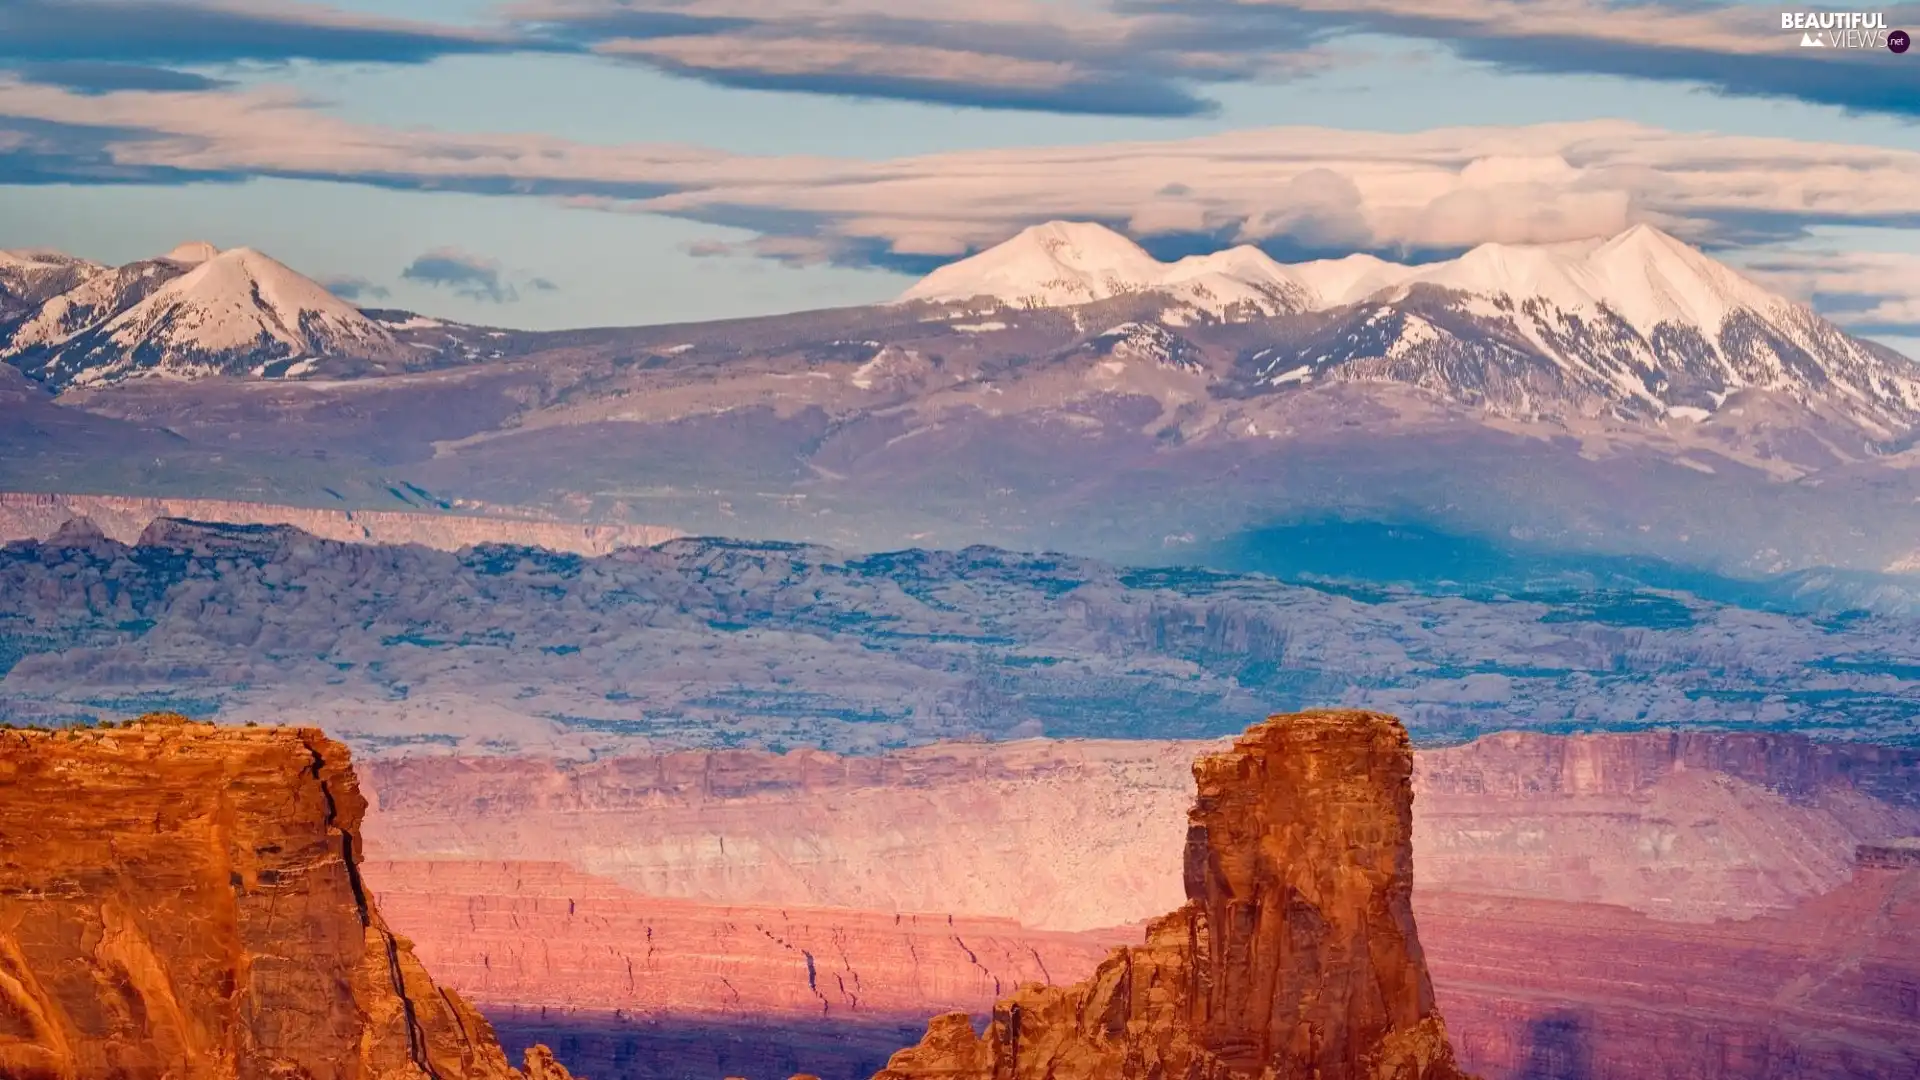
(1544, 989)
(545, 935)
(36, 516)
(1066, 835)
(1295, 955)
(184, 902)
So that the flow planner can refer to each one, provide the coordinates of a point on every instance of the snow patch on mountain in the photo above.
(1636, 324)
(30, 278)
(1058, 264)
(194, 312)
(1643, 276)
(1147, 343)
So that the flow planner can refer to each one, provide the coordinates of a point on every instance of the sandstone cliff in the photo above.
(546, 935)
(184, 902)
(1067, 835)
(1295, 955)
(1544, 988)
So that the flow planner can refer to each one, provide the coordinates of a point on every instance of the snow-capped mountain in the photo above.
(195, 311)
(1064, 263)
(95, 298)
(1640, 324)
(1147, 343)
(30, 278)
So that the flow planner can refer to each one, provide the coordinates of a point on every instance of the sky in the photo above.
(557, 163)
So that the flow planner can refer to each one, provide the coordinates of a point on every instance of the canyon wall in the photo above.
(1544, 990)
(183, 901)
(1063, 835)
(33, 516)
(1561, 883)
(546, 935)
(627, 986)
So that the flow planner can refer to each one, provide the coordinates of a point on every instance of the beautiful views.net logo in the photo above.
(1840, 29)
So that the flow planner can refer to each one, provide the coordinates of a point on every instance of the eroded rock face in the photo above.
(182, 901)
(1295, 955)
(1076, 835)
(545, 934)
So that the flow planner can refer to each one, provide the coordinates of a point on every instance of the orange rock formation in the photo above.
(185, 902)
(1295, 955)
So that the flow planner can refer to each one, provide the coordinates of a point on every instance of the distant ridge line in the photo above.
(39, 515)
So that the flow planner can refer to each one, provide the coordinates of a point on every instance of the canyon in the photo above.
(1558, 879)
(184, 901)
(1064, 834)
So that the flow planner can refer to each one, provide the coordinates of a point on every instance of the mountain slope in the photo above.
(31, 278)
(1638, 326)
(197, 312)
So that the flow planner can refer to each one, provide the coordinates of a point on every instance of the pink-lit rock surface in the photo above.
(1061, 835)
(1538, 988)
(544, 934)
(1531, 988)
(1574, 896)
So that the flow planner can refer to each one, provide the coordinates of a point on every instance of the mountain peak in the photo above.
(198, 311)
(1053, 264)
(192, 253)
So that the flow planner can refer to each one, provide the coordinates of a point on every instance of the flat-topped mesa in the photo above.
(185, 901)
(1294, 957)
(1896, 853)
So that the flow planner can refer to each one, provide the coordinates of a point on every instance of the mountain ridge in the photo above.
(1129, 427)
(1638, 324)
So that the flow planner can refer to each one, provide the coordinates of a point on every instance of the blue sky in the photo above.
(578, 162)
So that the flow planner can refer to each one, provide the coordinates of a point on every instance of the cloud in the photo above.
(354, 289)
(1868, 292)
(1733, 48)
(471, 276)
(1155, 58)
(475, 277)
(164, 32)
(993, 54)
(1159, 57)
(1295, 191)
(101, 77)
(101, 46)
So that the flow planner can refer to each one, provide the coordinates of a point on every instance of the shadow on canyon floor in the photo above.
(1559, 1047)
(621, 1046)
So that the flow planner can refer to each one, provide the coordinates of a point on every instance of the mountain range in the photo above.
(1625, 396)
(1639, 324)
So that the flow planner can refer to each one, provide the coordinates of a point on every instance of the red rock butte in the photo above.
(1294, 957)
(184, 901)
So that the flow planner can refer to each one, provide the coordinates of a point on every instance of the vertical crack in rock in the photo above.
(109, 843)
(418, 1050)
(1295, 955)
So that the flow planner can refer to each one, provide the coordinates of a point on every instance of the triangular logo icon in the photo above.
(1808, 41)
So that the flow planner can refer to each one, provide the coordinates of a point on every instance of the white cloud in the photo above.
(1291, 188)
